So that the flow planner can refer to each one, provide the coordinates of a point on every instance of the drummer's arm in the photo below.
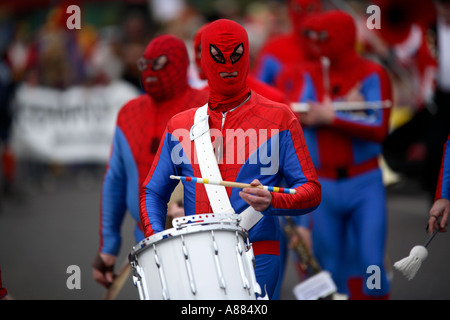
(157, 189)
(113, 206)
(298, 171)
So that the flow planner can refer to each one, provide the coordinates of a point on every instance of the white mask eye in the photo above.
(238, 52)
(216, 54)
(154, 64)
(159, 63)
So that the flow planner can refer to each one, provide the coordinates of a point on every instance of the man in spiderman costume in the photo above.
(271, 93)
(284, 49)
(139, 127)
(233, 109)
(441, 205)
(350, 224)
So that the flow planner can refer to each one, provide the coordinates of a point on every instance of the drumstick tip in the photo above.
(174, 177)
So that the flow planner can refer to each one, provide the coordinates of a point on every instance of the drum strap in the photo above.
(218, 197)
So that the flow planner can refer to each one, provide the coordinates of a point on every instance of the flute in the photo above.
(234, 184)
(345, 105)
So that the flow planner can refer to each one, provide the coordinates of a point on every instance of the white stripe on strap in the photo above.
(217, 194)
(218, 197)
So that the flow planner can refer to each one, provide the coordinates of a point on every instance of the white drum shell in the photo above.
(196, 262)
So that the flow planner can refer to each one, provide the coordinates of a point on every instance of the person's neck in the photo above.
(243, 102)
(176, 95)
(345, 62)
(219, 104)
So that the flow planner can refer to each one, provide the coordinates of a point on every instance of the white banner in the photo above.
(75, 125)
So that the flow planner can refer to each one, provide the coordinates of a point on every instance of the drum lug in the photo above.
(220, 277)
(251, 261)
(239, 252)
(132, 262)
(188, 267)
(137, 278)
(162, 277)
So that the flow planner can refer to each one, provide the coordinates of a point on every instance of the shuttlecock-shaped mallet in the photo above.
(411, 264)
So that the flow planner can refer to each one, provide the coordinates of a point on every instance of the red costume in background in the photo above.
(288, 48)
(140, 124)
(349, 227)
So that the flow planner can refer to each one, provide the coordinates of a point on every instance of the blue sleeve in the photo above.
(304, 220)
(309, 91)
(297, 170)
(158, 188)
(113, 203)
(269, 69)
(445, 190)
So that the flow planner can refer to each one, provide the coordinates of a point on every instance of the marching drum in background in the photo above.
(204, 257)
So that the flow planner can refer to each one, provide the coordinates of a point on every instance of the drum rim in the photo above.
(187, 229)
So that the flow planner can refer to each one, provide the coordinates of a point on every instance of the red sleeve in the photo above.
(296, 156)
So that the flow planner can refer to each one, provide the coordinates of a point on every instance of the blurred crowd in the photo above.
(38, 49)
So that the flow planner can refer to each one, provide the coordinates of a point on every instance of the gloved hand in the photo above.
(103, 269)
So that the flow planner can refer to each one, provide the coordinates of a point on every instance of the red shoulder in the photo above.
(135, 106)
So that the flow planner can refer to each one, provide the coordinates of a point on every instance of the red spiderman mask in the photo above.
(225, 61)
(332, 34)
(198, 51)
(164, 67)
(298, 10)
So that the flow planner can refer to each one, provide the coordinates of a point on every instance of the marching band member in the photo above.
(271, 93)
(234, 113)
(344, 147)
(139, 127)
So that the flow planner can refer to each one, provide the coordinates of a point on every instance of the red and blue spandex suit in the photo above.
(293, 168)
(350, 224)
(262, 140)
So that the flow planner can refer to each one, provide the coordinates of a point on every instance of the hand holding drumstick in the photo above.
(254, 193)
(259, 199)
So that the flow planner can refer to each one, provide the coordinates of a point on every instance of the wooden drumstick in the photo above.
(234, 184)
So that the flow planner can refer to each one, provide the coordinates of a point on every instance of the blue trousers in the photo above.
(267, 268)
(349, 231)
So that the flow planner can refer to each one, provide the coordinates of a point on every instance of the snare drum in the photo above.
(204, 257)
